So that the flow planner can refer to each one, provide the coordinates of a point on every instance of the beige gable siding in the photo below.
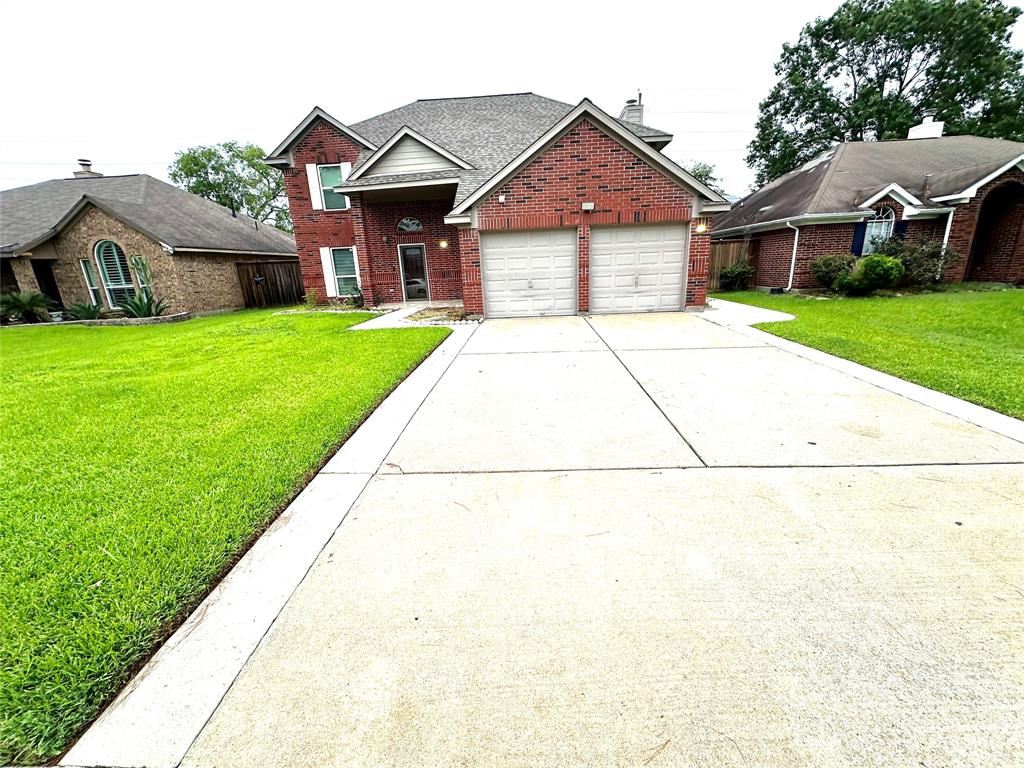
(410, 156)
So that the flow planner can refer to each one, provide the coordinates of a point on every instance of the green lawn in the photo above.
(136, 463)
(967, 343)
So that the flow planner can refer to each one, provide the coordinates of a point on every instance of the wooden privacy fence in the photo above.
(270, 283)
(722, 255)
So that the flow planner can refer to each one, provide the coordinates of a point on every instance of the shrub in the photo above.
(831, 268)
(870, 274)
(144, 304)
(27, 306)
(312, 298)
(83, 311)
(923, 260)
(356, 299)
(735, 277)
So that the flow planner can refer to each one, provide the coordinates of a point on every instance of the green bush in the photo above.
(923, 260)
(27, 306)
(871, 274)
(735, 277)
(143, 304)
(83, 311)
(831, 268)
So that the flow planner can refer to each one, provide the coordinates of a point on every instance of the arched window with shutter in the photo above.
(117, 280)
(879, 228)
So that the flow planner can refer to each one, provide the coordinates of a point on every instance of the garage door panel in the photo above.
(637, 268)
(529, 272)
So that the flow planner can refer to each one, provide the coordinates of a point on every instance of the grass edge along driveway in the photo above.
(137, 463)
(964, 341)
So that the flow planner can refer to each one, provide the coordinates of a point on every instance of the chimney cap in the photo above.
(631, 101)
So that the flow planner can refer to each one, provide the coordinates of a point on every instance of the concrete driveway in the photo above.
(652, 540)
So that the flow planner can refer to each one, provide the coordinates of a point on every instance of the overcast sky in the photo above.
(128, 84)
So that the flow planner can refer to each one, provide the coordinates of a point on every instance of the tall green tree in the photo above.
(705, 174)
(872, 69)
(235, 176)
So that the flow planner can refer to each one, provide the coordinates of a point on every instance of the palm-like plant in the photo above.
(144, 304)
(84, 311)
(29, 306)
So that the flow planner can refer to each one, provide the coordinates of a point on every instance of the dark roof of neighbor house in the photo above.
(488, 132)
(29, 215)
(844, 177)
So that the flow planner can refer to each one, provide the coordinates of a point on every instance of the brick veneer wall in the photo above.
(322, 144)
(189, 282)
(380, 221)
(962, 232)
(584, 165)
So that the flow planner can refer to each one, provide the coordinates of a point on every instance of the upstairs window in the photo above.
(879, 228)
(117, 280)
(331, 176)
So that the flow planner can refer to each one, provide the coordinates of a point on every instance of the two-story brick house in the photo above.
(514, 204)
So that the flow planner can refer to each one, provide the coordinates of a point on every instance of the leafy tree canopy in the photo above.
(235, 176)
(872, 69)
(705, 174)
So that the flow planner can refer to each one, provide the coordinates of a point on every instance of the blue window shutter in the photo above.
(858, 238)
(900, 230)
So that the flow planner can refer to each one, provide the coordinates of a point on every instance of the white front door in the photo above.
(528, 273)
(638, 268)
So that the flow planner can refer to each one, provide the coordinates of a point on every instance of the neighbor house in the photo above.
(73, 239)
(966, 192)
(513, 204)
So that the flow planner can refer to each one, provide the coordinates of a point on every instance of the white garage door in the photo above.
(637, 269)
(529, 273)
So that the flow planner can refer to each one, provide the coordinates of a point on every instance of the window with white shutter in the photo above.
(117, 279)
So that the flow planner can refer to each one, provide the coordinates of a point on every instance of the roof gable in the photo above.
(588, 110)
(278, 156)
(408, 151)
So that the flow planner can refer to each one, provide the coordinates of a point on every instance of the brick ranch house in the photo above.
(964, 191)
(72, 240)
(514, 204)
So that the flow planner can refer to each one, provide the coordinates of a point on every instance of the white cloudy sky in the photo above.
(128, 84)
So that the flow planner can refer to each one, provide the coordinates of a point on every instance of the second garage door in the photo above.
(637, 269)
(529, 273)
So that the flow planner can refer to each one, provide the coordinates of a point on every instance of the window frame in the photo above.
(355, 267)
(107, 284)
(343, 170)
(90, 282)
(885, 215)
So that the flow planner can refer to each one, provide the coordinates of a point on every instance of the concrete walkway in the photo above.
(640, 540)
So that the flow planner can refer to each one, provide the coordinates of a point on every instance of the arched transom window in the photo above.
(879, 228)
(409, 224)
(117, 280)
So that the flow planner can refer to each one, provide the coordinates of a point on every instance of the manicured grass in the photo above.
(136, 463)
(967, 343)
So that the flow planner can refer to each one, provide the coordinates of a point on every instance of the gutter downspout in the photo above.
(945, 245)
(792, 263)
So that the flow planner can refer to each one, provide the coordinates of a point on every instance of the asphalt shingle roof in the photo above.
(839, 180)
(488, 132)
(172, 215)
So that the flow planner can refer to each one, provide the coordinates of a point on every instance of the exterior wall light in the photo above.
(701, 229)
(588, 206)
(442, 244)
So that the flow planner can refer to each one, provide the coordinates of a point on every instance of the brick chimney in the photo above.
(634, 110)
(86, 171)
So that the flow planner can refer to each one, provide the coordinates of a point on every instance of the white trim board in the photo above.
(406, 132)
(587, 109)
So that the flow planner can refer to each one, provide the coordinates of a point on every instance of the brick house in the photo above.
(513, 204)
(964, 191)
(73, 239)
